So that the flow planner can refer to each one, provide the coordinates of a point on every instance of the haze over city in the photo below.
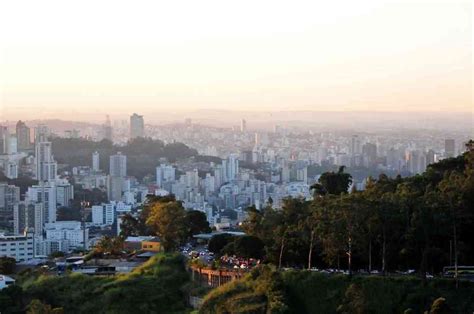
(157, 57)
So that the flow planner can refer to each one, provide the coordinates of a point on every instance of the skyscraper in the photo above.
(23, 136)
(231, 167)
(137, 126)
(46, 167)
(243, 126)
(107, 129)
(165, 173)
(45, 194)
(96, 161)
(9, 197)
(41, 133)
(450, 148)
(369, 151)
(118, 165)
(356, 145)
(3, 131)
(116, 179)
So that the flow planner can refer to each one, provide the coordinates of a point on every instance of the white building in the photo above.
(45, 194)
(67, 230)
(11, 170)
(19, 247)
(115, 188)
(231, 167)
(44, 247)
(165, 173)
(118, 165)
(46, 167)
(103, 214)
(64, 193)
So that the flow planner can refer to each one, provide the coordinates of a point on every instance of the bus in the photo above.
(464, 272)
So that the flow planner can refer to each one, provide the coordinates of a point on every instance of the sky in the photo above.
(85, 59)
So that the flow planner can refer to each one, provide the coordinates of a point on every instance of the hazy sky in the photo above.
(69, 58)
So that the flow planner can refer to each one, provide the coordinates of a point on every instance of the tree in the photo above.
(167, 218)
(334, 182)
(248, 247)
(219, 241)
(130, 226)
(37, 307)
(109, 245)
(65, 213)
(355, 301)
(7, 265)
(196, 222)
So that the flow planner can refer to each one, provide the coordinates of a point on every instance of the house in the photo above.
(151, 245)
(135, 243)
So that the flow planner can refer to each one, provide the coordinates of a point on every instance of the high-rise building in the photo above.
(107, 129)
(115, 188)
(45, 193)
(118, 165)
(137, 126)
(257, 139)
(450, 148)
(231, 167)
(165, 173)
(356, 145)
(9, 197)
(46, 167)
(103, 214)
(64, 193)
(23, 136)
(3, 131)
(430, 157)
(8, 141)
(41, 133)
(28, 216)
(243, 126)
(95, 161)
(369, 151)
(416, 162)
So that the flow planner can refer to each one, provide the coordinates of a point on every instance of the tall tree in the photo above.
(167, 218)
(196, 222)
(334, 182)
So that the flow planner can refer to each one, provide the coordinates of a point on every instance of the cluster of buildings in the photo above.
(244, 168)
(28, 219)
(28, 222)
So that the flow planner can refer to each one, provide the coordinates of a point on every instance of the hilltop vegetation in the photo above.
(265, 290)
(423, 222)
(155, 287)
(143, 154)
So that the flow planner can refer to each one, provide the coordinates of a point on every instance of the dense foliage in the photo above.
(7, 265)
(143, 154)
(166, 218)
(423, 222)
(155, 287)
(268, 291)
